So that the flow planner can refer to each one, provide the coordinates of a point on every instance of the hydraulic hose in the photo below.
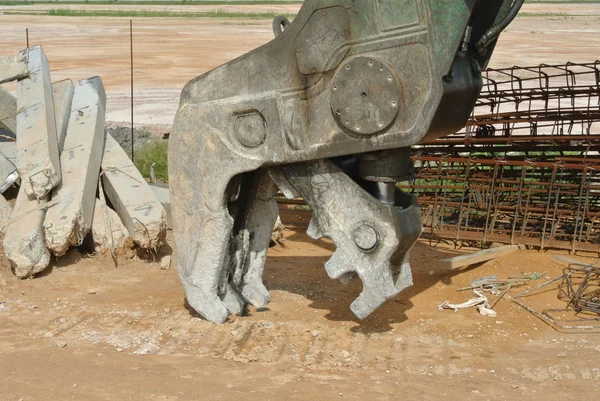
(494, 31)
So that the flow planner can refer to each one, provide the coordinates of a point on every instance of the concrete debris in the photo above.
(135, 203)
(8, 108)
(68, 222)
(9, 149)
(62, 93)
(13, 67)
(54, 142)
(5, 210)
(101, 228)
(162, 194)
(478, 300)
(24, 243)
(37, 147)
(8, 173)
(477, 257)
(277, 236)
(485, 310)
(165, 262)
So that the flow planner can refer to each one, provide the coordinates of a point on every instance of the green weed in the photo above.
(153, 152)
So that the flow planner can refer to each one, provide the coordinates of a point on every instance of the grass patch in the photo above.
(152, 14)
(153, 152)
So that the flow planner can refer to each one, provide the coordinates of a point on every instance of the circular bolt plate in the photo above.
(365, 237)
(365, 95)
(250, 129)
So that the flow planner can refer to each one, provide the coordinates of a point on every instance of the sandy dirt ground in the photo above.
(86, 330)
(168, 52)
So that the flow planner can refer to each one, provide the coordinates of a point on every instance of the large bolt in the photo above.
(365, 237)
(250, 129)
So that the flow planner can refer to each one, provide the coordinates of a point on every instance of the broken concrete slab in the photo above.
(101, 229)
(68, 222)
(162, 194)
(135, 203)
(8, 173)
(62, 93)
(8, 110)
(24, 243)
(165, 262)
(38, 158)
(14, 67)
(5, 212)
(9, 149)
(477, 257)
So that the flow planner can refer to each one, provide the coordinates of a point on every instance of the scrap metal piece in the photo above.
(372, 239)
(579, 287)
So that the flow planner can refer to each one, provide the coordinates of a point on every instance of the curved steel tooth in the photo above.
(373, 239)
(200, 170)
(337, 265)
(200, 276)
(313, 230)
(233, 301)
(258, 222)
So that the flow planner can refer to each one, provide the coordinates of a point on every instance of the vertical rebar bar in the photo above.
(549, 197)
(577, 216)
(27, 36)
(556, 202)
(435, 199)
(462, 198)
(489, 206)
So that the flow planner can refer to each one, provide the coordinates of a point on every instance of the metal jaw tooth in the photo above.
(257, 227)
(313, 230)
(373, 239)
(240, 281)
(220, 257)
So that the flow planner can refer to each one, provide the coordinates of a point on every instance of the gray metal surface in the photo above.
(372, 239)
(344, 78)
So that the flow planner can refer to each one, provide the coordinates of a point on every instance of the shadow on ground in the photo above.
(324, 293)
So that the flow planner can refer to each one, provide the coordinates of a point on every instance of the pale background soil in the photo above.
(168, 52)
(89, 331)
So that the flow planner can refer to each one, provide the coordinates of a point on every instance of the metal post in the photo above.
(131, 56)
(27, 36)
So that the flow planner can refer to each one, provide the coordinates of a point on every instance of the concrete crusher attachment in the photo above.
(327, 111)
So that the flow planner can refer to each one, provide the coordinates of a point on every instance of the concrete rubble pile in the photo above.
(74, 180)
